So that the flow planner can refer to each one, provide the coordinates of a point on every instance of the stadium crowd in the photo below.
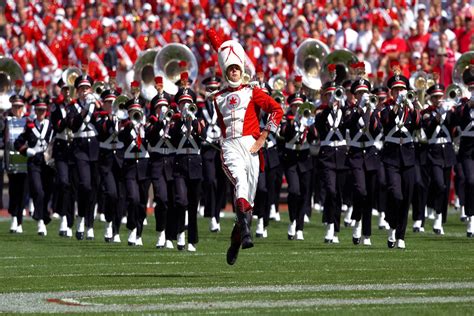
(46, 37)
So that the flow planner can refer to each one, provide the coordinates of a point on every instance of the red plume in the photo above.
(214, 38)
(183, 64)
(298, 78)
(472, 62)
(135, 84)
(379, 74)
(332, 67)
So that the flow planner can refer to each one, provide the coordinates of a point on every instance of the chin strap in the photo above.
(234, 84)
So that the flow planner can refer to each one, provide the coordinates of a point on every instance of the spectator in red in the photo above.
(466, 39)
(418, 42)
(394, 45)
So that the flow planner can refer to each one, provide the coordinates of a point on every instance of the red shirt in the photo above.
(418, 43)
(393, 45)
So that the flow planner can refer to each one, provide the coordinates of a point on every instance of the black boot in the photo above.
(234, 248)
(244, 220)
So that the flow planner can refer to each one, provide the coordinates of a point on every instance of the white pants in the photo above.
(241, 167)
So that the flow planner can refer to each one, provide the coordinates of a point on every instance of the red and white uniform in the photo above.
(238, 116)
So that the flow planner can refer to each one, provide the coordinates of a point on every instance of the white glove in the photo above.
(30, 152)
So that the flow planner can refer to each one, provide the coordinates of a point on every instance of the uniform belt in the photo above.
(441, 140)
(188, 151)
(86, 134)
(334, 143)
(163, 151)
(467, 134)
(362, 144)
(136, 155)
(399, 140)
(214, 140)
(112, 146)
(61, 136)
(297, 146)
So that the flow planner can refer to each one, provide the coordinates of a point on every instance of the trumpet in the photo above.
(454, 93)
(305, 110)
(337, 95)
(136, 116)
(372, 100)
(169, 115)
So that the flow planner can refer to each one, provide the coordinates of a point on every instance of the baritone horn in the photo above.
(308, 59)
(145, 74)
(305, 110)
(167, 65)
(343, 59)
(454, 93)
(461, 65)
(69, 76)
(10, 72)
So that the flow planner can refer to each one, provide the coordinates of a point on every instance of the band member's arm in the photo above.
(21, 143)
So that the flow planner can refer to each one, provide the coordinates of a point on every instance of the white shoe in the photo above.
(56, 216)
(382, 222)
(456, 203)
(42, 228)
(357, 230)
(401, 244)
(347, 219)
(139, 241)
(470, 227)
(422, 229)
(306, 218)
(31, 208)
(272, 211)
(63, 226)
(145, 222)
(191, 248)
(329, 233)
(375, 212)
(265, 233)
(102, 217)
(132, 237)
(335, 240)
(161, 239)
(109, 233)
(116, 239)
(260, 228)
(438, 225)
(391, 235)
(90, 233)
(19, 229)
(181, 242)
(344, 207)
(169, 244)
(431, 213)
(201, 210)
(277, 217)
(80, 227)
(299, 235)
(463, 216)
(186, 219)
(317, 207)
(292, 230)
(124, 220)
(366, 241)
(96, 207)
(214, 226)
(14, 225)
(68, 232)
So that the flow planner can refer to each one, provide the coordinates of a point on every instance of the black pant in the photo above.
(215, 182)
(41, 178)
(113, 192)
(17, 193)
(278, 183)
(299, 200)
(364, 190)
(400, 183)
(441, 184)
(187, 193)
(163, 197)
(333, 184)
(64, 204)
(468, 168)
(87, 190)
(137, 198)
(380, 202)
(459, 183)
(420, 192)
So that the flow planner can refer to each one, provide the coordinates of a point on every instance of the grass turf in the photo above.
(30, 263)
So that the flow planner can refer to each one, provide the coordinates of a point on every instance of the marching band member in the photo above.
(214, 179)
(186, 136)
(465, 120)
(63, 160)
(238, 106)
(438, 122)
(33, 143)
(135, 166)
(17, 176)
(111, 152)
(399, 119)
(297, 163)
(363, 158)
(162, 153)
(331, 131)
(85, 149)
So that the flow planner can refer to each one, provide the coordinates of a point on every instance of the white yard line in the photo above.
(70, 301)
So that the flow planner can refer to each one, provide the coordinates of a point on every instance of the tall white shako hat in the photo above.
(228, 53)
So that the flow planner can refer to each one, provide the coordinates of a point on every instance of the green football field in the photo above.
(434, 275)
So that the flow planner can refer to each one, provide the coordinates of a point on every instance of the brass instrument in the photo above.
(421, 81)
(136, 116)
(453, 93)
(10, 72)
(118, 107)
(461, 65)
(169, 115)
(166, 64)
(145, 74)
(278, 83)
(371, 101)
(342, 59)
(306, 110)
(308, 58)
(98, 87)
(69, 76)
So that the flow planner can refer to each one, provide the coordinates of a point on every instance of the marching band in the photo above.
(352, 143)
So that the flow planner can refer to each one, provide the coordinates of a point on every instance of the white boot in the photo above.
(139, 241)
(317, 207)
(463, 216)
(124, 220)
(214, 226)
(116, 239)
(63, 226)
(357, 232)
(292, 230)
(181, 243)
(69, 232)
(160, 243)
(272, 211)
(201, 210)
(102, 218)
(277, 217)
(299, 235)
(347, 219)
(109, 233)
(417, 226)
(132, 237)
(382, 222)
(470, 227)
(260, 229)
(80, 226)
(438, 225)
(344, 207)
(186, 219)
(431, 213)
(169, 244)
(14, 225)
(306, 218)
(366, 241)
(90, 233)
(42, 228)
(19, 229)
(375, 212)
(391, 238)
(457, 205)
(329, 233)
(191, 248)
(401, 244)
(145, 222)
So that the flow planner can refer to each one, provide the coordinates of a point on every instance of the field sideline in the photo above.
(434, 275)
